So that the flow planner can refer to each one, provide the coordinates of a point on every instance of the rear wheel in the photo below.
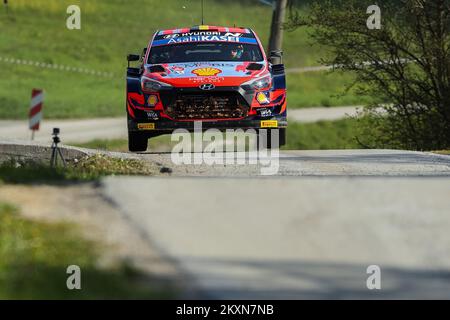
(282, 137)
(266, 140)
(137, 142)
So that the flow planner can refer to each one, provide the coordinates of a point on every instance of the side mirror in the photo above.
(276, 57)
(133, 72)
(278, 69)
(132, 57)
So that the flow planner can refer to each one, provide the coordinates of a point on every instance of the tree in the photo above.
(406, 63)
(276, 29)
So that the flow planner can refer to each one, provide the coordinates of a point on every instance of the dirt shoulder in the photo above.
(84, 205)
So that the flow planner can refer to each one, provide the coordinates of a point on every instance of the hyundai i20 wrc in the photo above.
(217, 75)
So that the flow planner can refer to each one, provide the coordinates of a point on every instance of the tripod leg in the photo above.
(62, 158)
(53, 160)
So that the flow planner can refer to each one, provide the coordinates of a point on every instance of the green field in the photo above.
(35, 30)
(323, 135)
(34, 257)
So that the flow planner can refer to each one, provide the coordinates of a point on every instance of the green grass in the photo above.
(315, 89)
(340, 134)
(443, 152)
(120, 145)
(34, 257)
(35, 30)
(86, 169)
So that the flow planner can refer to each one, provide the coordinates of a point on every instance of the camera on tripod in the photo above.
(55, 149)
(55, 135)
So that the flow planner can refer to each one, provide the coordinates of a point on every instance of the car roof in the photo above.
(205, 28)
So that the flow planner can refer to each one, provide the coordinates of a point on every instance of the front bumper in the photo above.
(142, 117)
(169, 126)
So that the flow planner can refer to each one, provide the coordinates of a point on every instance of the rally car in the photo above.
(217, 75)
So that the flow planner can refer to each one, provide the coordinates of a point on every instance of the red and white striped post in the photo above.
(35, 114)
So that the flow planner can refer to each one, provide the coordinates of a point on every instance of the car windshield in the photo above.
(198, 52)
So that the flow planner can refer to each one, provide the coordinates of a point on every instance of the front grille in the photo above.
(212, 105)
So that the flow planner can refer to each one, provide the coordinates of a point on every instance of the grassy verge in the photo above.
(89, 168)
(121, 145)
(338, 134)
(34, 257)
(443, 152)
(322, 135)
(322, 89)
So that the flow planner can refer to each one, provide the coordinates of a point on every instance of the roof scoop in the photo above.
(255, 66)
(157, 68)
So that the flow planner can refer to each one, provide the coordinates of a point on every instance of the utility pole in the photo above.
(276, 30)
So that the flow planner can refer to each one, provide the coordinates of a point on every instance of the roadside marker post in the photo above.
(35, 114)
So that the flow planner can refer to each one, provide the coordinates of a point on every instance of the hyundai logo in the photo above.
(207, 86)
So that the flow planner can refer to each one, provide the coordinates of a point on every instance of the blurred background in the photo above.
(83, 71)
(289, 238)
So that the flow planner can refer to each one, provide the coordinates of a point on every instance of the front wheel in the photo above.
(137, 142)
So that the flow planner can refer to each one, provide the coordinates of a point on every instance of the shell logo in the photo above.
(205, 72)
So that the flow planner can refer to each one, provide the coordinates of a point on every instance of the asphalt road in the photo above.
(296, 237)
(79, 131)
(72, 131)
(381, 163)
(310, 232)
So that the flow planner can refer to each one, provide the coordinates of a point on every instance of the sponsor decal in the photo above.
(261, 97)
(207, 64)
(201, 33)
(146, 126)
(171, 36)
(203, 36)
(264, 112)
(231, 34)
(204, 39)
(152, 100)
(152, 115)
(207, 79)
(177, 70)
(269, 124)
(205, 72)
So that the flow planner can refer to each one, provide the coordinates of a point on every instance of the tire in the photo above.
(268, 138)
(282, 136)
(137, 142)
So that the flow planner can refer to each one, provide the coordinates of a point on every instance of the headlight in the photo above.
(151, 85)
(259, 84)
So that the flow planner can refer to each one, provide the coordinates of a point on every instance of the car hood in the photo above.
(192, 74)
